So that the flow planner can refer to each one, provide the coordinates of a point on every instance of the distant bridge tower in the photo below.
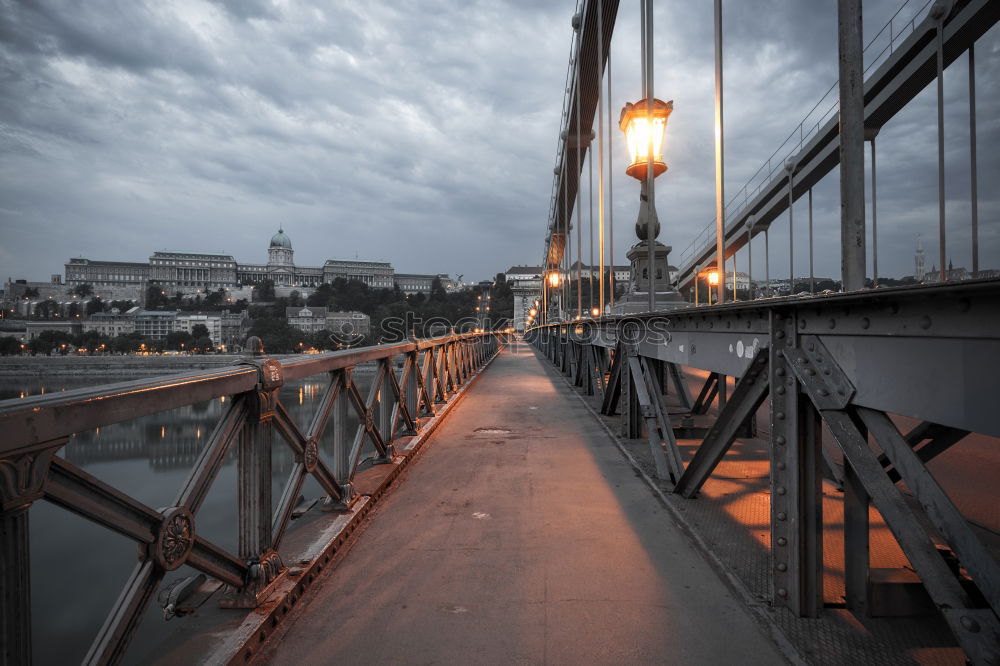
(919, 259)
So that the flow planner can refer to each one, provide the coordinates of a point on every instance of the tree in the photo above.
(200, 331)
(264, 291)
(178, 340)
(215, 299)
(50, 340)
(277, 335)
(84, 290)
(438, 293)
(156, 297)
(9, 345)
(123, 306)
(31, 292)
(202, 344)
(94, 305)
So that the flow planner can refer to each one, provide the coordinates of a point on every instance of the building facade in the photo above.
(109, 324)
(190, 273)
(375, 274)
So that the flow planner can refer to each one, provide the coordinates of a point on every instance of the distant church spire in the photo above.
(920, 273)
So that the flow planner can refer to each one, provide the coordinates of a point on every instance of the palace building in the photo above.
(201, 272)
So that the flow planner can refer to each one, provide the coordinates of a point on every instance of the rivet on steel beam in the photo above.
(823, 392)
(782, 515)
(811, 347)
(780, 416)
(970, 624)
(780, 372)
(832, 323)
(782, 541)
(780, 439)
(802, 324)
(781, 491)
(781, 465)
(782, 566)
(782, 592)
(840, 391)
(803, 360)
(781, 390)
(925, 322)
(865, 322)
(810, 372)
(749, 381)
(779, 334)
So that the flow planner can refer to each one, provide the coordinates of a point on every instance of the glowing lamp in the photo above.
(713, 278)
(638, 124)
(595, 312)
(554, 279)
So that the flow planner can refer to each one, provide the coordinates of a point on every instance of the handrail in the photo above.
(35, 429)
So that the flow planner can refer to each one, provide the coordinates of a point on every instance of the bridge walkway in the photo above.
(521, 535)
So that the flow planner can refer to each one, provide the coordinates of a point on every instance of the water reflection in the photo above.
(78, 568)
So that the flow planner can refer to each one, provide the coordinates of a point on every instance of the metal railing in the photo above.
(854, 362)
(35, 429)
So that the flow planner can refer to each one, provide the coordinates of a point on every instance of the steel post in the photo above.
(974, 199)
(852, 158)
(720, 190)
(796, 491)
(15, 587)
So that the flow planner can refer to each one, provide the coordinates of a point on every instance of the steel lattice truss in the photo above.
(849, 361)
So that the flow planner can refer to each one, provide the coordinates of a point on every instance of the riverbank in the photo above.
(114, 366)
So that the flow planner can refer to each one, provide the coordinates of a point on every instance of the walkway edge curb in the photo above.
(248, 642)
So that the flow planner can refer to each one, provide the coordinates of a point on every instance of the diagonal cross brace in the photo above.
(977, 631)
(748, 396)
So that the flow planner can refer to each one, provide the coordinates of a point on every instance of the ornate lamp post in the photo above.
(645, 126)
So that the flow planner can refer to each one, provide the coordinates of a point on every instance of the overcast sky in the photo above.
(423, 133)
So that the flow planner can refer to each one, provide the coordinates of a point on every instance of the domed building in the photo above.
(280, 263)
(280, 267)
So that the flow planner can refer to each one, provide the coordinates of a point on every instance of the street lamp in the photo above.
(645, 130)
(644, 124)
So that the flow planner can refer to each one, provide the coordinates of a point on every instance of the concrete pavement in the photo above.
(521, 536)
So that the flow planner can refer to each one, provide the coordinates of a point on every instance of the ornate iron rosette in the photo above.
(175, 538)
(369, 421)
(310, 456)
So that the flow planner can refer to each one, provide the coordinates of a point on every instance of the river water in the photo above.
(78, 568)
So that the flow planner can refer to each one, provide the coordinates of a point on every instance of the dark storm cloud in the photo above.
(422, 134)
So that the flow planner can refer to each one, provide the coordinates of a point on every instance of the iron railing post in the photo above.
(253, 484)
